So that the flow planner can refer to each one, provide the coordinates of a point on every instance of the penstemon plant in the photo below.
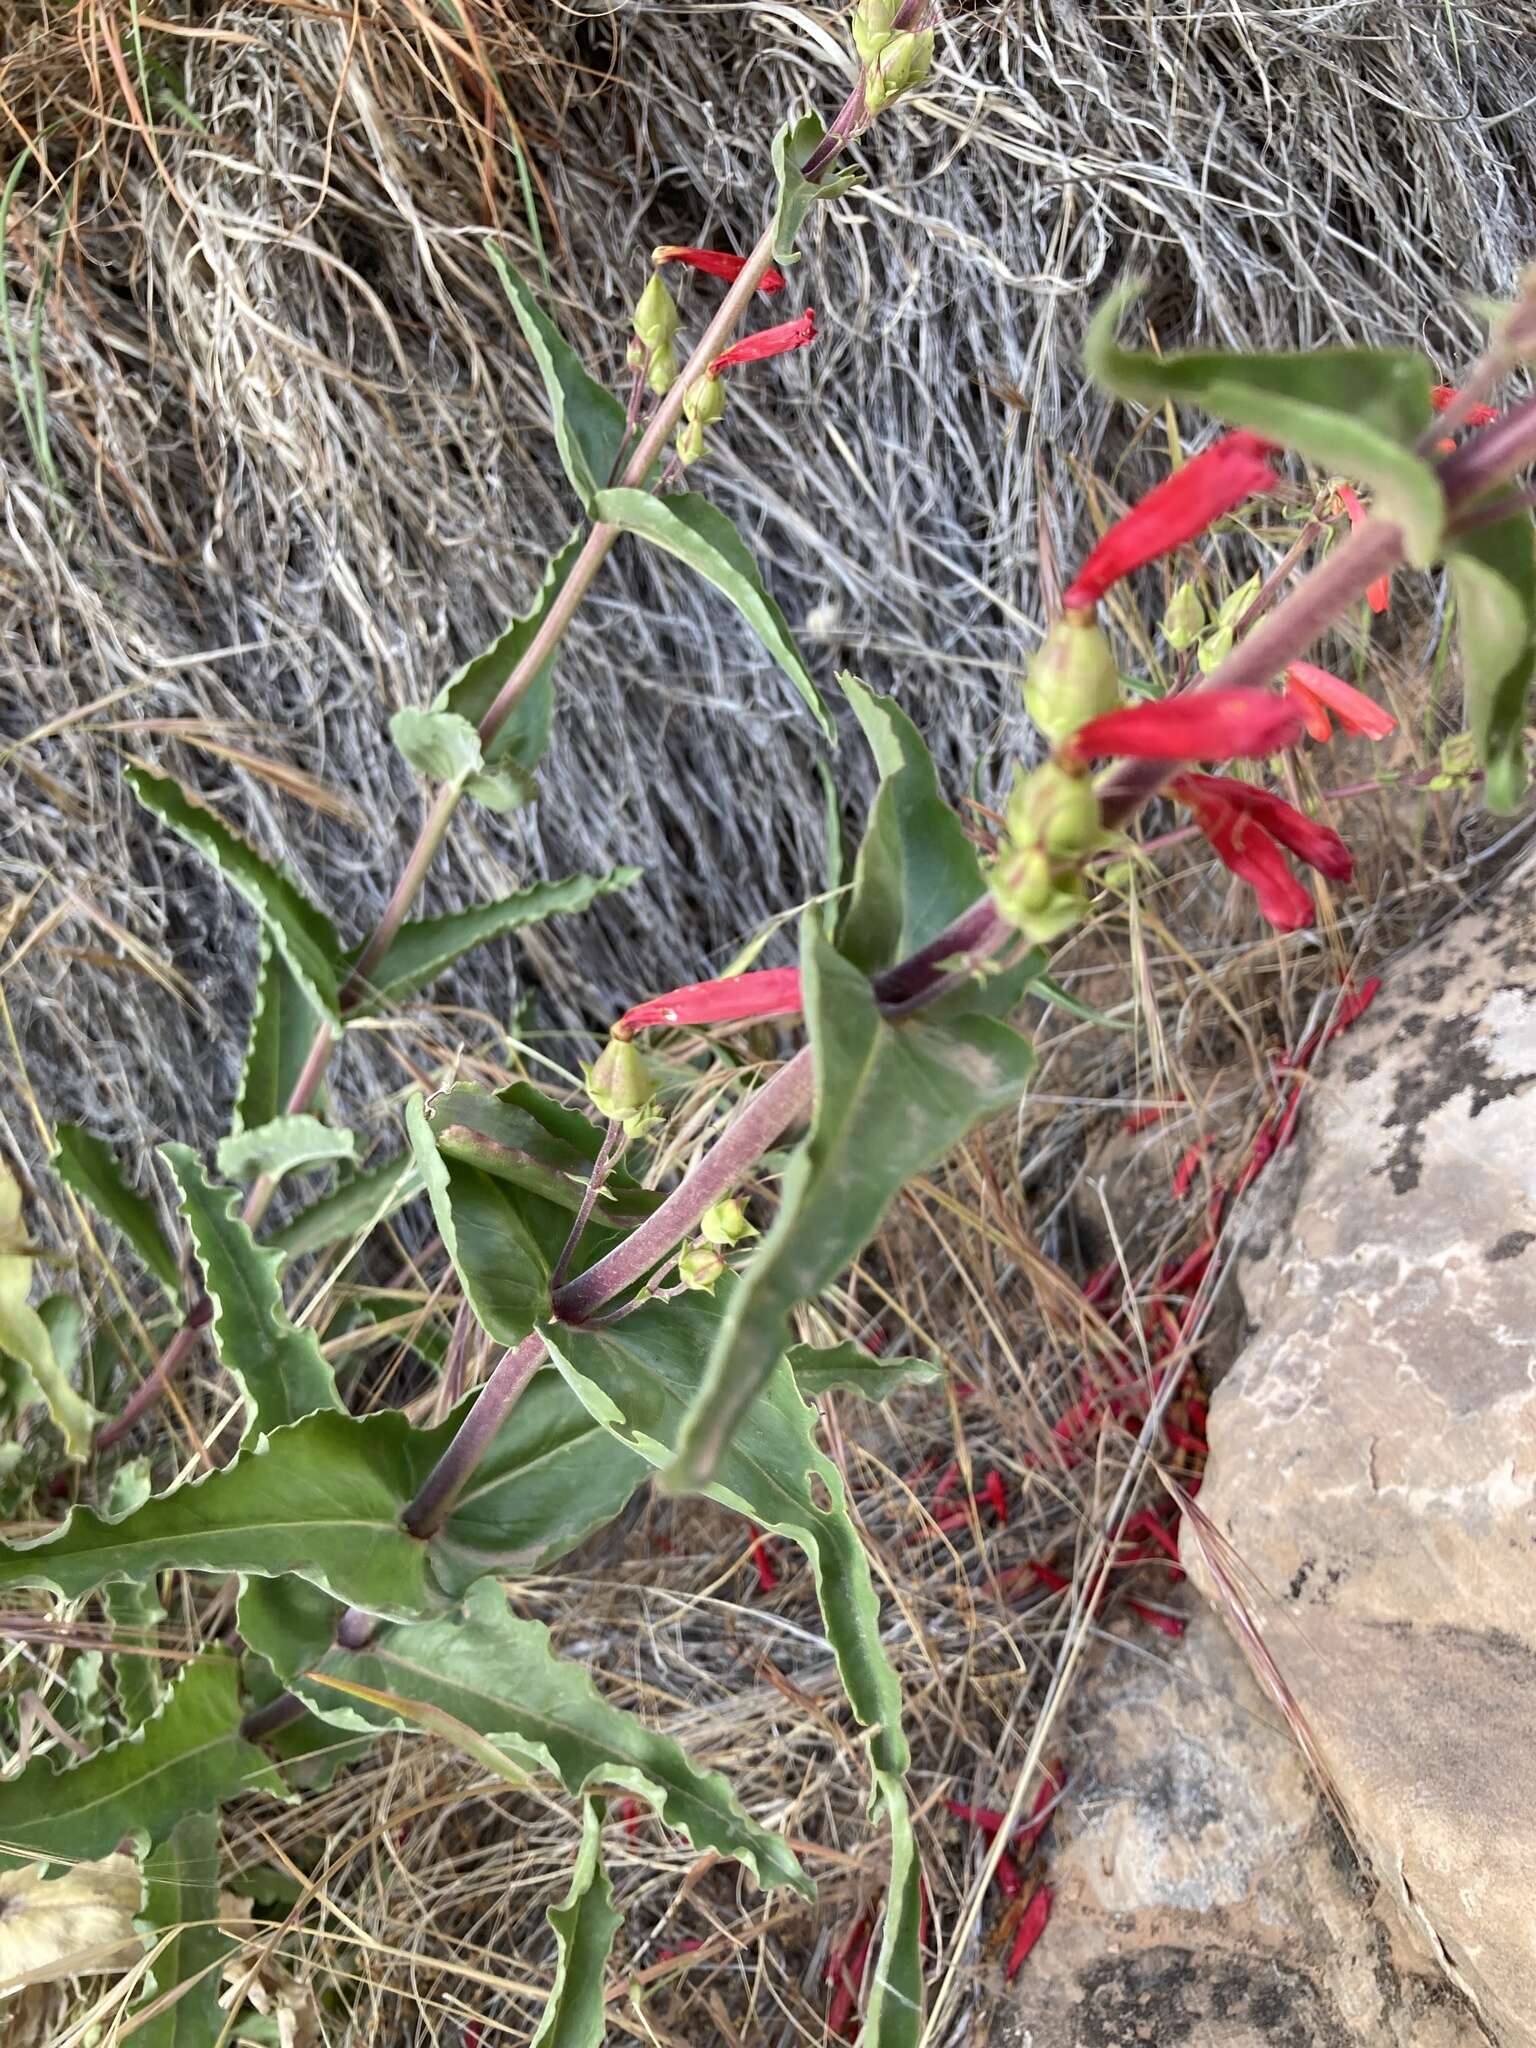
(642, 1332)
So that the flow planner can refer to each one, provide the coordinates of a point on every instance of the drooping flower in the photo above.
(1380, 592)
(716, 263)
(1445, 395)
(1248, 827)
(1202, 725)
(1180, 508)
(1315, 693)
(732, 999)
(768, 341)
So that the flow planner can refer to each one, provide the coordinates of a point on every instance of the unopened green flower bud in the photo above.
(1214, 649)
(1036, 900)
(872, 27)
(1072, 677)
(1055, 810)
(620, 1086)
(662, 372)
(1184, 620)
(904, 61)
(725, 1224)
(1458, 754)
(699, 1267)
(704, 401)
(656, 318)
(690, 442)
(1233, 608)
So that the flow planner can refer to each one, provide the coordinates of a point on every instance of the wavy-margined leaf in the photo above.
(1355, 412)
(589, 422)
(284, 1023)
(916, 870)
(585, 1923)
(1494, 573)
(890, 1100)
(511, 1137)
(640, 1378)
(421, 951)
(25, 1335)
(893, 2012)
(497, 1676)
(517, 747)
(351, 1210)
(700, 534)
(288, 1144)
(134, 1610)
(797, 194)
(85, 1164)
(302, 933)
(278, 1366)
(847, 1368)
(190, 1758)
(181, 1910)
(500, 1264)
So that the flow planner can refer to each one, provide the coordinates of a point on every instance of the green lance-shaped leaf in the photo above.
(1355, 412)
(279, 1367)
(890, 1100)
(85, 1164)
(847, 1368)
(421, 951)
(797, 194)
(520, 740)
(585, 1924)
(641, 1377)
(28, 1336)
(351, 1210)
(188, 1759)
(700, 534)
(302, 933)
(181, 1914)
(133, 1609)
(512, 1137)
(589, 422)
(283, 1026)
(288, 1144)
(501, 1265)
(495, 1676)
(916, 870)
(893, 2012)
(1494, 574)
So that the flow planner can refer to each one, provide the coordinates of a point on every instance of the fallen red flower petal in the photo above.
(1184, 1173)
(1185, 1440)
(762, 1558)
(1043, 1811)
(1179, 509)
(1009, 1882)
(1354, 1007)
(1202, 725)
(767, 342)
(1444, 395)
(1315, 693)
(1031, 1927)
(1380, 593)
(996, 1496)
(732, 999)
(716, 263)
(1170, 1624)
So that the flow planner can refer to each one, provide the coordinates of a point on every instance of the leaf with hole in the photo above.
(85, 1164)
(585, 1923)
(1494, 574)
(698, 533)
(590, 428)
(277, 1366)
(302, 933)
(1354, 412)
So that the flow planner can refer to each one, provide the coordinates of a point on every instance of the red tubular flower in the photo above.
(1031, 1927)
(1315, 693)
(1248, 827)
(1444, 395)
(1202, 725)
(1180, 508)
(734, 999)
(716, 263)
(768, 341)
(1379, 594)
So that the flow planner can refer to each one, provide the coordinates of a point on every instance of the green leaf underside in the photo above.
(700, 534)
(188, 1759)
(916, 870)
(279, 1367)
(503, 1270)
(893, 2012)
(288, 1144)
(423, 950)
(584, 1924)
(351, 1210)
(181, 1899)
(444, 747)
(640, 1378)
(523, 735)
(1354, 412)
(283, 1027)
(1494, 574)
(890, 1100)
(322, 1499)
(847, 1368)
(302, 933)
(589, 422)
(797, 194)
(85, 1164)
(505, 1139)
(496, 1675)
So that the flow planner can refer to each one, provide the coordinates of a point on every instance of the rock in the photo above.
(1204, 1898)
(1373, 1450)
